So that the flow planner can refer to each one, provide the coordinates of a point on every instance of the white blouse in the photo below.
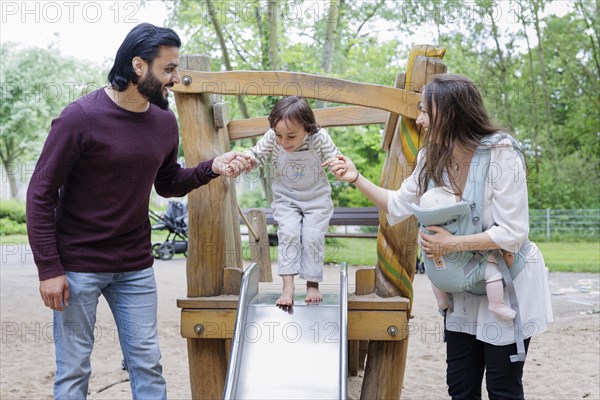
(505, 217)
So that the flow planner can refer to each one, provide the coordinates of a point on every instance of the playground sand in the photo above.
(563, 363)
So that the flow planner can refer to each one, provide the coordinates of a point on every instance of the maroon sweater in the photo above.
(87, 202)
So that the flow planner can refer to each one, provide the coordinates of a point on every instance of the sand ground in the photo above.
(563, 363)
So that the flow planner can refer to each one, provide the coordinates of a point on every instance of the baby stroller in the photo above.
(174, 220)
(420, 267)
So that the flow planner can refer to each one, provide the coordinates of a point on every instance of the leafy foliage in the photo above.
(12, 218)
(36, 85)
(537, 67)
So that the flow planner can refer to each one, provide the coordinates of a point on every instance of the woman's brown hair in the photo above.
(295, 109)
(457, 117)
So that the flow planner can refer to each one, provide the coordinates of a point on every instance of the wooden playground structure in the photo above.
(379, 309)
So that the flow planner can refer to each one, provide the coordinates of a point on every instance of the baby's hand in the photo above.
(509, 258)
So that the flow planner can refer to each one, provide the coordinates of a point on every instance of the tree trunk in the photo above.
(11, 173)
(332, 15)
(273, 13)
(265, 178)
(538, 32)
(505, 99)
(532, 109)
(225, 53)
(592, 26)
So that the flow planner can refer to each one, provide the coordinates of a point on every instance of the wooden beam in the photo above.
(279, 83)
(365, 281)
(392, 122)
(353, 346)
(384, 373)
(260, 252)
(326, 117)
(362, 324)
(232, 280)
(206, 205)
(207, 215)
(355, 302)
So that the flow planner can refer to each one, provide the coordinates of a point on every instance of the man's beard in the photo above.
(152, 89)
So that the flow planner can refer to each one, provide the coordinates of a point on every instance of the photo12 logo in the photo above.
(53, 12)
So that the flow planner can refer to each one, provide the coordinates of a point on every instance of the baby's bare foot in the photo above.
(313, 295)
(443, 304)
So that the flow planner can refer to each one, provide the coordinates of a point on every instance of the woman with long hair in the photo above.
(459, 135)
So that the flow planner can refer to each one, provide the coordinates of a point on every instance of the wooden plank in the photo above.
(217, 324)
(326, 117)
(232, 280)
(206, 205)
(359, 216)
(212, 302)
(206, 228)
(375, 325)
(352, 235)
(362, 324)
(384, 374)
(208, 368)
(221, 115)
(279, 83)
(260, 251)
(392, 123)
(355, 302)
(363, 349)
(365, 281)
(353, 357)
(233, 240)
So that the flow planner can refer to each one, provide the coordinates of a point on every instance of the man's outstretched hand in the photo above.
(231, 163)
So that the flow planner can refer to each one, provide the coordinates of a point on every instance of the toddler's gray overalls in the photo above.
(302, 207)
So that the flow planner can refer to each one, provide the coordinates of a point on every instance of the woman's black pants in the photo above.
(467, 358)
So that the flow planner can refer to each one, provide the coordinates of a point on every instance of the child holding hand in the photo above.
(302, 204)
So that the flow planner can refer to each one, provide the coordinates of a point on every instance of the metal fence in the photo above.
(553, 224)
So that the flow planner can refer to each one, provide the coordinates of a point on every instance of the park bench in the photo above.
(342, 216)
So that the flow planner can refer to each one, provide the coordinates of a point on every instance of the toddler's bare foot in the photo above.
(287, 297)
(313, 295)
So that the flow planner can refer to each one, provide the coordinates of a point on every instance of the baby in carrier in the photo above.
(439, 206)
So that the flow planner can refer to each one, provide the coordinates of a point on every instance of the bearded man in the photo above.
(87, 210)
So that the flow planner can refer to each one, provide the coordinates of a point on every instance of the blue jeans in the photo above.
(133, 302)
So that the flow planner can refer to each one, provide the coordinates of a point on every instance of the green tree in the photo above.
(36, 84)
(333, 38)
(539, 74)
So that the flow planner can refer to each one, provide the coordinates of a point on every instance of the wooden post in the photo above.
(384, 372)
(207, 208)
(392, 122)
(365, 281)
(353, 357)
(233, 243)
(260, 251)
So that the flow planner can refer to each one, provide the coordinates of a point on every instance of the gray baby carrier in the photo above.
(465, 270)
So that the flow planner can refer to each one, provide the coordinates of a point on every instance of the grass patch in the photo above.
(352, 251)
(14, 239)
(571, 256)
(559, 256)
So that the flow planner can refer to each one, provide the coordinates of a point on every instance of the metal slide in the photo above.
(297, 354)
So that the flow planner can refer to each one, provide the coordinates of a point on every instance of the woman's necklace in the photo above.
(456, 165)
